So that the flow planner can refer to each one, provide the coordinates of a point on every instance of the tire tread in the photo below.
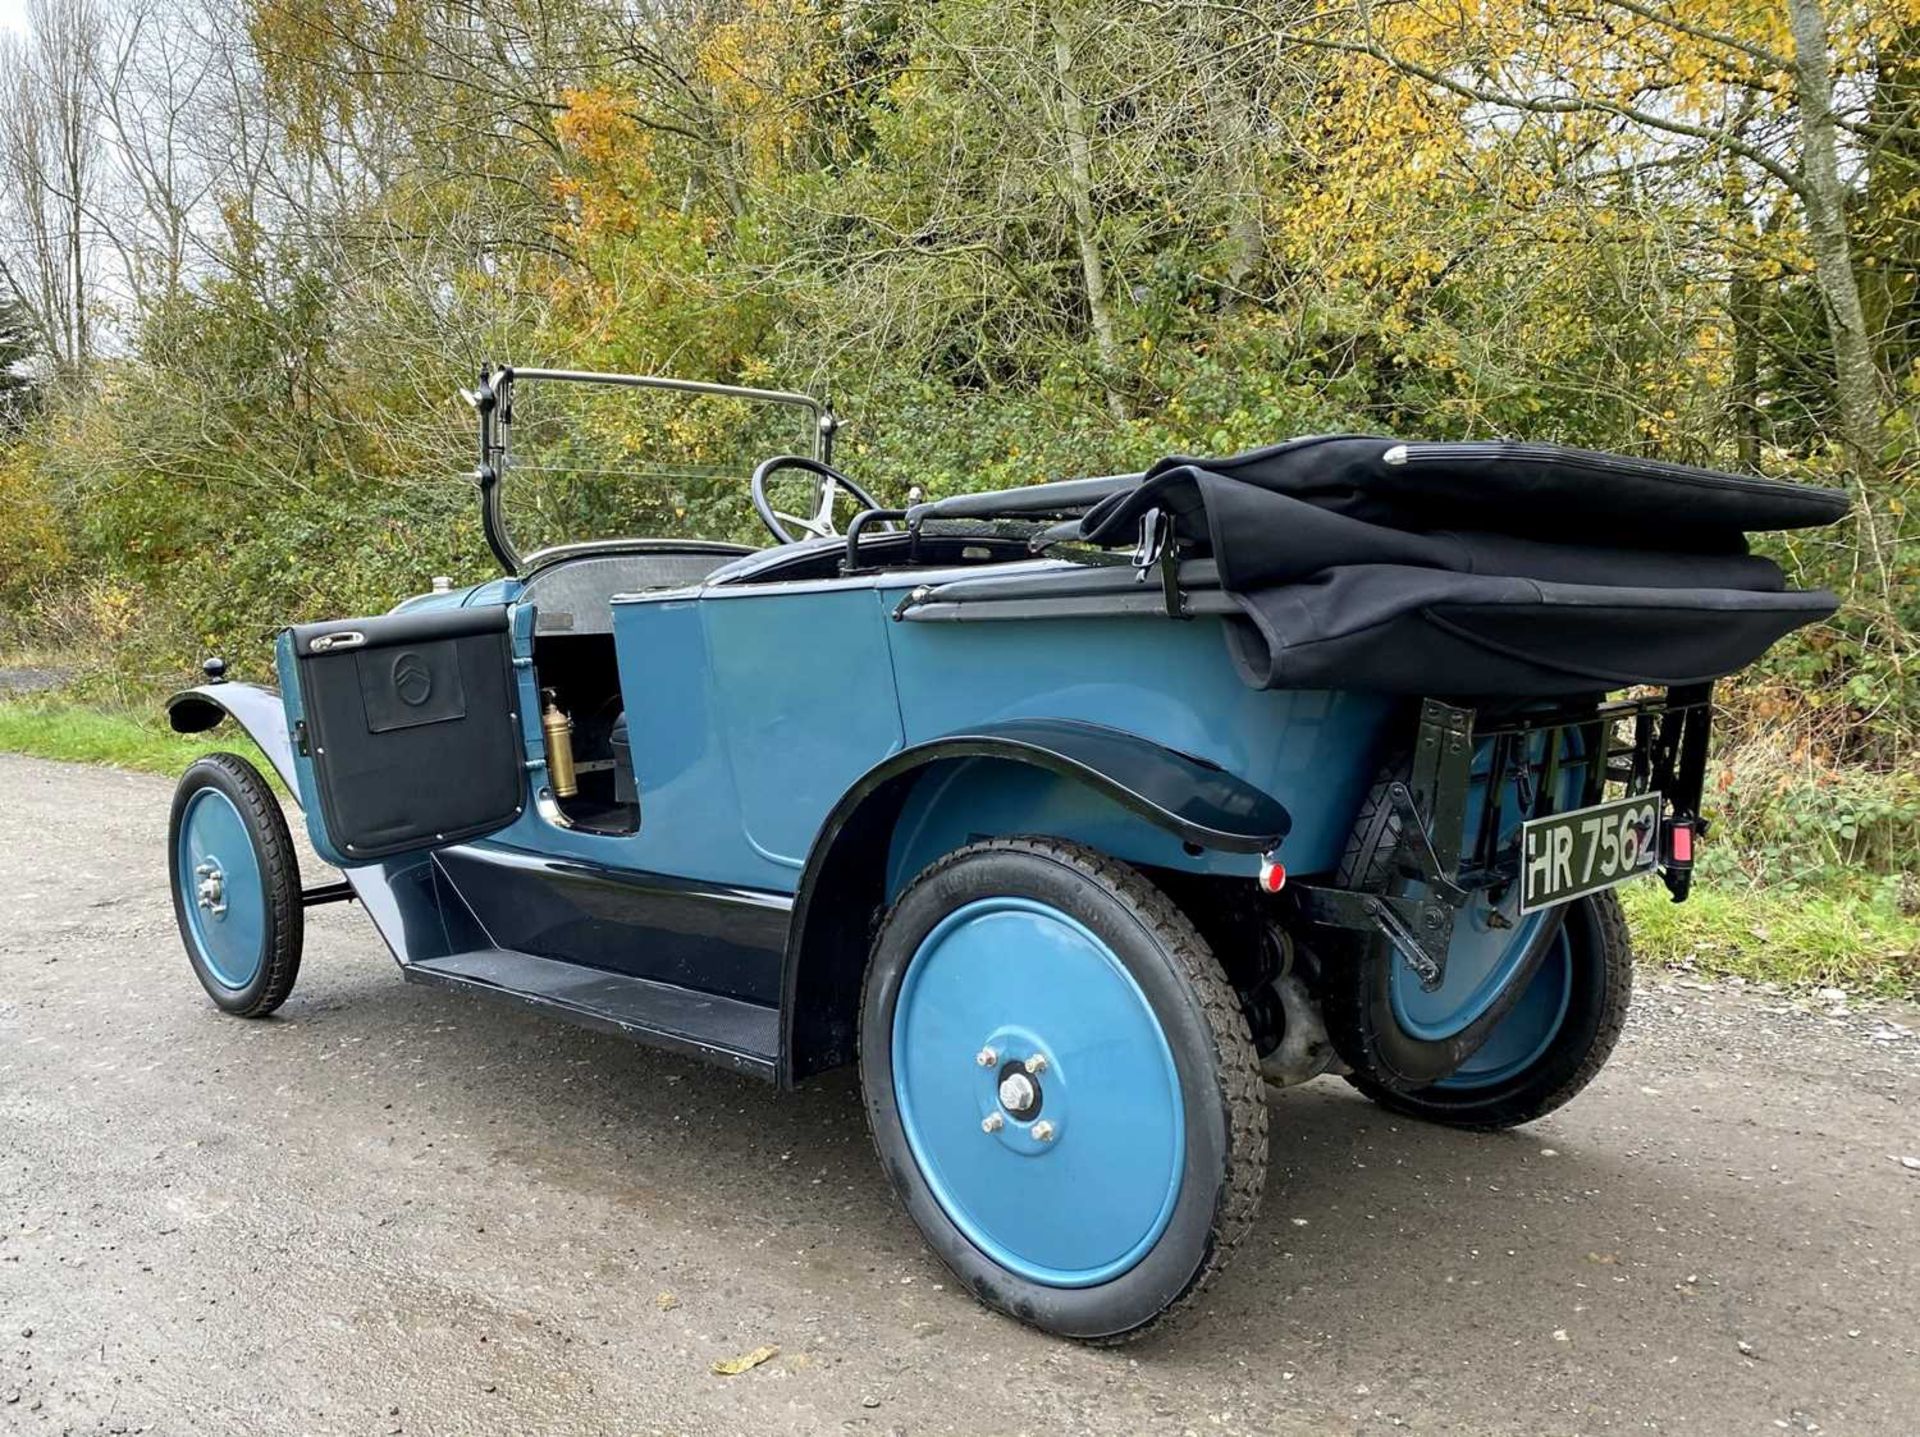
(1616, 958)
(279, 866)
(1242, 1091)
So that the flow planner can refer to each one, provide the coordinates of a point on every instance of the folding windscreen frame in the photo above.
(493, 403)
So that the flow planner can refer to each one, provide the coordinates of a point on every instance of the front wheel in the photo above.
(236, 885)
(1061, 1085)
(1551, 1043)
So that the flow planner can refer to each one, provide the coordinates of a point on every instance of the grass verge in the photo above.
(1798, 938)
(52, 728)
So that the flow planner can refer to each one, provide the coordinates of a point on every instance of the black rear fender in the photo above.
(843, 889)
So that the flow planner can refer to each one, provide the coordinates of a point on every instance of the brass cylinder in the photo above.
(557, 727)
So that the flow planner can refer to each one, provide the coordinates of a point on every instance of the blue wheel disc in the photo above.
(1521, 1038)
(1076, 1187)
(1491, 940)
(222, 890)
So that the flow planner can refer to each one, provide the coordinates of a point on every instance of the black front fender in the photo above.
(257, 710)
(843, 884)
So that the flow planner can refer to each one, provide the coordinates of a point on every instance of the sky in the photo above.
(13, 14)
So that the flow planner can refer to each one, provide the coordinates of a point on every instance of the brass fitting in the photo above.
(557, 728)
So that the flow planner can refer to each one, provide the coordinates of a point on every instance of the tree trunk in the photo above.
(1078, 188)
(1858, 391)
(1743, 313)
(1231, 119)
(1744, 302)
(1892, 296)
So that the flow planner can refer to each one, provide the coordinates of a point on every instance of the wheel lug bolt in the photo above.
(992, 1123)
(1043, 1130)
(986, 1057)
(1037, 1064)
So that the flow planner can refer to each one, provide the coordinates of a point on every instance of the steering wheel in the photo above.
(831, 483)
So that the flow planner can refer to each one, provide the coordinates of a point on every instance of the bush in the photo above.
(1795, 804)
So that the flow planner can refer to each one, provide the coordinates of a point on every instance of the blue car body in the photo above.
(758, 717)
(776, 742)
(803, 729)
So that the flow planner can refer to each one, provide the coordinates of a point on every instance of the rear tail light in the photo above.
(1677, 856)
(1680, 841)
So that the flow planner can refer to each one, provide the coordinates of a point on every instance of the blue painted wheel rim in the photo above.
(1085, 1200)
(1527, 1031)
(222, 891)
(1492, 940)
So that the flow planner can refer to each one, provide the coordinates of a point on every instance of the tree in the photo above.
(48, 144)
(18, 389)
(1643, 86)
(1014, 239)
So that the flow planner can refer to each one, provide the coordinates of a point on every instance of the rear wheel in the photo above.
(1061, 1085)
(236, 885)
(1384, 1024)
(1550, 1043)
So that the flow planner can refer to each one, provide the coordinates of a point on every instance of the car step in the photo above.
(730, 1031)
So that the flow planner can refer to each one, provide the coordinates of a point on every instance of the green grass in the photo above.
(1798, 938)
(52, 728)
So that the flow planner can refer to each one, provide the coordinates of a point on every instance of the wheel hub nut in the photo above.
(210, 893)
(992, 1123)
(1043, 1131)
(1018, 1093)
(986, 1057)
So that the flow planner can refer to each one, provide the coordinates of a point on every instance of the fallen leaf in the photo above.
(666, 1302)
(734, 1366)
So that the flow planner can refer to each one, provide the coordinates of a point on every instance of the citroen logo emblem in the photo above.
(412, 679)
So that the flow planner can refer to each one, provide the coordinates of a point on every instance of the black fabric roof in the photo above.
(1483, 568)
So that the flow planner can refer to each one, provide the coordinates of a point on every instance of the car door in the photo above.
(406, 730)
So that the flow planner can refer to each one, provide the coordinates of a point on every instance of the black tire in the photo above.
(1600, 993)
(1224, 1158)
(280, 916)
(1357, 996)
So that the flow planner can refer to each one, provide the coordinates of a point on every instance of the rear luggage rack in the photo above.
(1665, 752)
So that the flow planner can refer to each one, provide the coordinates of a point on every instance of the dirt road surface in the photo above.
(395, 1210)
(16, 681)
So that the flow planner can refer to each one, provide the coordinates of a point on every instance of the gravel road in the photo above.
(14, 682)
(395, 1210)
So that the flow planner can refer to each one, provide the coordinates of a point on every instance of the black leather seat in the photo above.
(625, 788)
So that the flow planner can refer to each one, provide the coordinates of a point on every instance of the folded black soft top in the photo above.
(1543, 491)
(1455, 568)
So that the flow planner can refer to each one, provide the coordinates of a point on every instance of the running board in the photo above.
(727, 1031)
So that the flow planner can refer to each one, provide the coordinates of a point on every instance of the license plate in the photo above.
(1568, 855)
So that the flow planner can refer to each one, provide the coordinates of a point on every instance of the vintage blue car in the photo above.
(1076, 815)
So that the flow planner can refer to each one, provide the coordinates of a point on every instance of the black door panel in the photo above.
(412, 726)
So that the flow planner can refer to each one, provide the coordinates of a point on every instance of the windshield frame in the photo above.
(492, 401)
